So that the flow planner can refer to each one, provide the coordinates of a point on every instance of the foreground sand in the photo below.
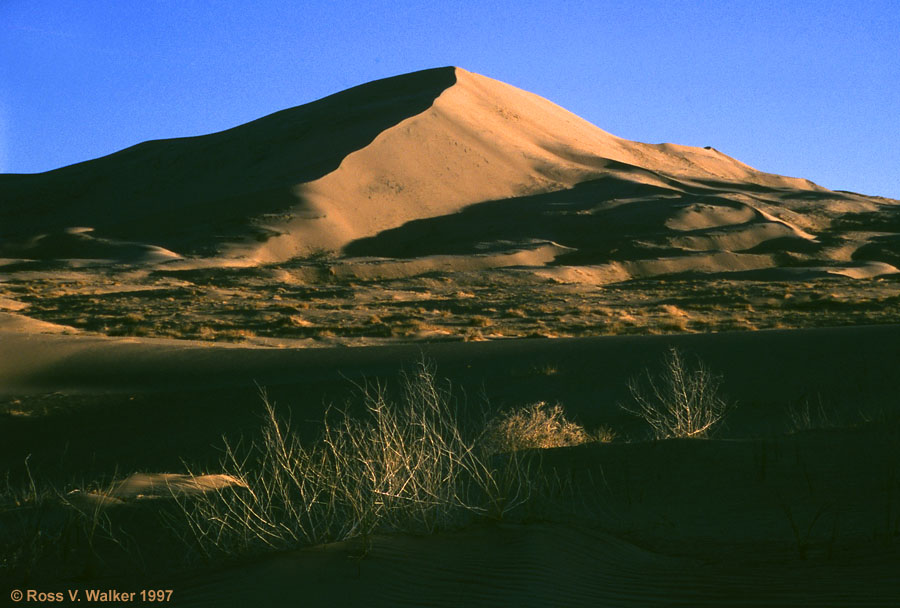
(774, 510)
(539, 565)
(125, 394)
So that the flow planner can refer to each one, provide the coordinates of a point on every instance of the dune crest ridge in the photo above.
(481, 140)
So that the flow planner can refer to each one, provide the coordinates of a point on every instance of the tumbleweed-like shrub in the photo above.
(682, 400)
(535, 426)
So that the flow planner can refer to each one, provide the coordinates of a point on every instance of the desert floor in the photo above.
(794, 500)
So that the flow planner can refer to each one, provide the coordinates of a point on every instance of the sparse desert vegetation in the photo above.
(407, 467)
(682, 400)
(280, 304)
(46, 530)
(537, 426)
(411, 465)
(416, 461)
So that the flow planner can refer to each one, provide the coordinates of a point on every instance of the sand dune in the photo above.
(79, 243)
(538, 565)
(480, 140)
(643, 230)
(359, 172)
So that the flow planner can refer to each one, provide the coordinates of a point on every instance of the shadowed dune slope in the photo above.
(678, 522)
(536, 565)
(191, 194)
(631, 223)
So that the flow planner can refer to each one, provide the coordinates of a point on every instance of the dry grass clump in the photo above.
(45, 531)
(805, 417)
(681, 401)
(605, 434)
(406, 466)
(535, 426)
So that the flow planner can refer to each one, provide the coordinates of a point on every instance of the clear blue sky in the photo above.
(808, 89)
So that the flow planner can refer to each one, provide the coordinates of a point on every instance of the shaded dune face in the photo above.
(444, 162)
(607, 218)
(193, 194)
(626, 229)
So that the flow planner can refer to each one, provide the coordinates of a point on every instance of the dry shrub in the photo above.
(605, 434)
(405, 466)
(681, 401)
(534, 426)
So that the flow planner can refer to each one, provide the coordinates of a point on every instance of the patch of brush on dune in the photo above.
(682, 400)
(411, 465)
(417, 464)
(103, 528)
(408, 466)
(538, 426)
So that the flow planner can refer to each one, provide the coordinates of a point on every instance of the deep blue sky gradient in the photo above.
(808, 89)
